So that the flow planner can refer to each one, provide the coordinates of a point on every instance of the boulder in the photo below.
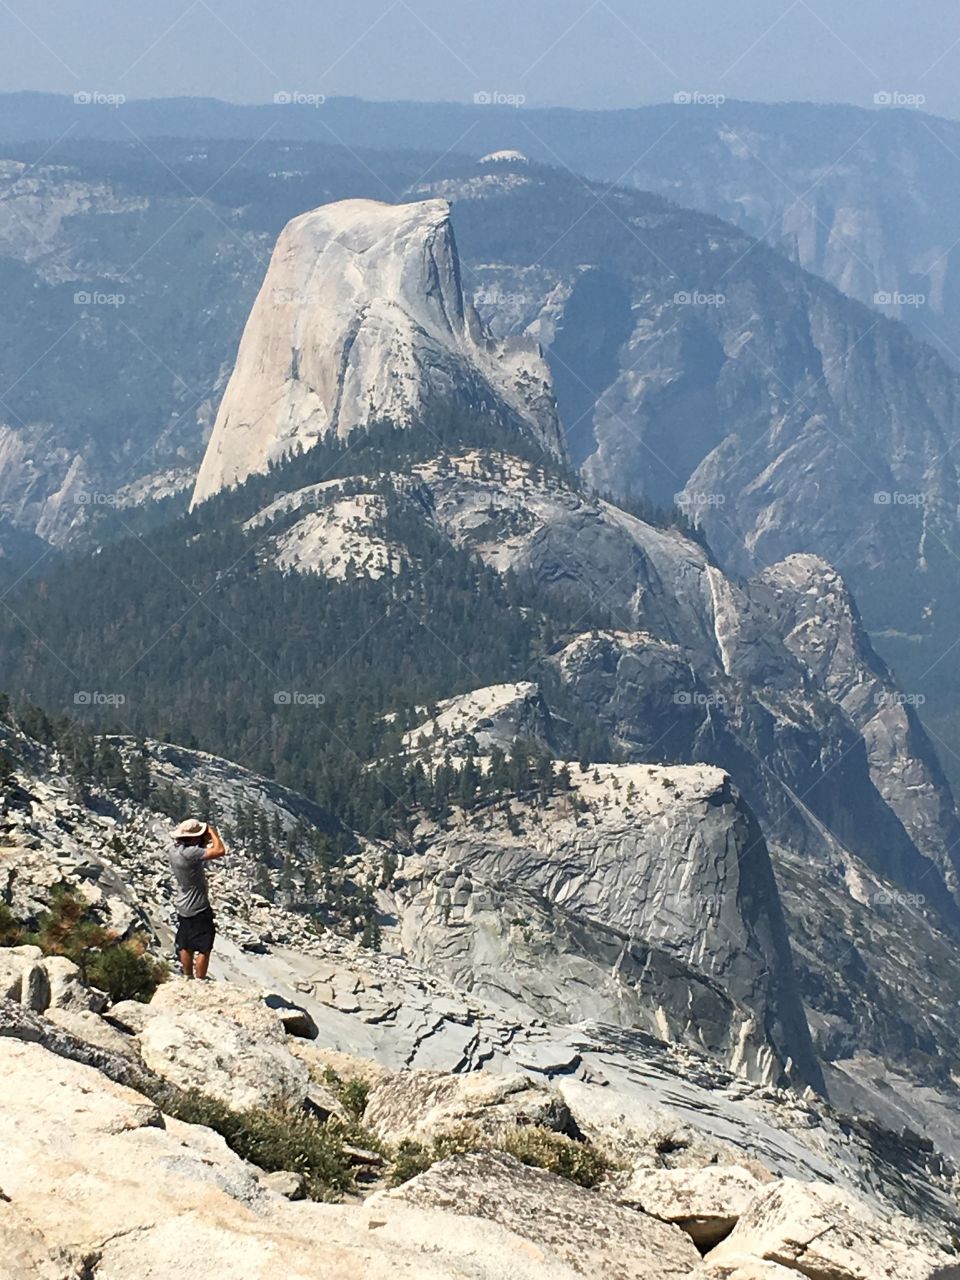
(825, 1233)
(41, 982)
(305, 1241)
(67, 988)
(58, 1092)
(27, 1255)
(590, 1233)
(94, 1030)
(296, 1021)
(15, 955)
(223, 1041)
(93, 1184)
(34, 988)
(23, 978)
(347, 1066)
(706, 1203)
(17, 1023)
(744, 1269)
(323, 1101)
(420, 1104)
(284, 1183)
(130, 1015)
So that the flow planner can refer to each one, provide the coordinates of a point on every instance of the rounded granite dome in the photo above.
(504, 157)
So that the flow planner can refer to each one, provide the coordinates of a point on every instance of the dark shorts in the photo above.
(196, 933)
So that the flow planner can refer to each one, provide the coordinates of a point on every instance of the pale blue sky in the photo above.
(594, 53)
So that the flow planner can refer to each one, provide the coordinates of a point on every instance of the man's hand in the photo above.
(215, 847)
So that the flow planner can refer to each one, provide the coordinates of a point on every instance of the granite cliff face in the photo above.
(772, 680)
(362, 317)
(690, 362)
(696, 667)
(645, 897)
(697, 367)
(859, 197)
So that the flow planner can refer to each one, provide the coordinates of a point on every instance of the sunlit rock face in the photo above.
(362, 317)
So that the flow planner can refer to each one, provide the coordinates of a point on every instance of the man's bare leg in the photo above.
(186, 963)
(202, 964)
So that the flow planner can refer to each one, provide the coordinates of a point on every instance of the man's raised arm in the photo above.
(216, 847)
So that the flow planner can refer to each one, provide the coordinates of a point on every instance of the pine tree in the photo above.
(206, 809)
(518, 768)
(498, 772)
(138, 772)
(6, 778)
(108, 769)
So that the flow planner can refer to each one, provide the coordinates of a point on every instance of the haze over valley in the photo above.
(519, 539)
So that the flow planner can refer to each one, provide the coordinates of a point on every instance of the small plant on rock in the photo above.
(531, 1145)
(126, 972)
(281, 1138)
(353, 1096)
(11, 932)
(576, 1161)
(121, 968)
(67, 929)
(412, 1158)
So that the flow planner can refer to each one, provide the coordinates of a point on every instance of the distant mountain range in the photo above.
(862, 197)
(692, 364)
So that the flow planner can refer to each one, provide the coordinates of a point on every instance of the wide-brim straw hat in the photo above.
(190, 829)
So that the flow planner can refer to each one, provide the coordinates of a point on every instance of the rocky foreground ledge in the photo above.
(99, 1180)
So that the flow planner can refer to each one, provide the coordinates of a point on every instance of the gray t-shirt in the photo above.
(186, 862)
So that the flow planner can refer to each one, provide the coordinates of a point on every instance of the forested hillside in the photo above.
(189, 630)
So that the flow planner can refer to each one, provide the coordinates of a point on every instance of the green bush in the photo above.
(11, 933)
(540, 1148)
(121, 968)
(276, 1138)
(353, 1096)
(126, 972)
(411, 1158)
(576, 1161)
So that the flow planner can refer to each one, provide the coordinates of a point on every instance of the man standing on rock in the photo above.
(194, 844)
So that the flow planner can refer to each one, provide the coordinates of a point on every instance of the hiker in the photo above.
(194, 843)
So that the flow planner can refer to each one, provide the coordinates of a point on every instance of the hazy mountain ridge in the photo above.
(860, 196)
